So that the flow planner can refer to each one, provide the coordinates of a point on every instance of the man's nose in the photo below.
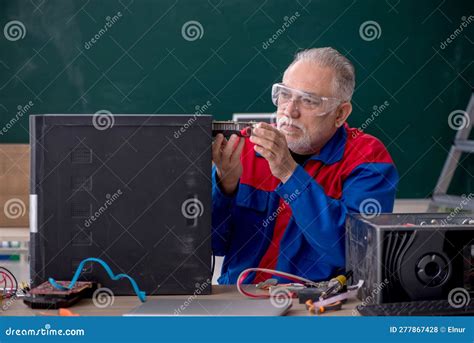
(292, 109)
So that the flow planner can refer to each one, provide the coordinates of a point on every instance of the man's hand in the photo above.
(226, 157)
(271, 144)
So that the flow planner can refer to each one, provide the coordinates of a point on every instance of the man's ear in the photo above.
(343, 113)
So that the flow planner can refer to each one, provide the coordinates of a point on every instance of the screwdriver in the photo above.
(335, 285)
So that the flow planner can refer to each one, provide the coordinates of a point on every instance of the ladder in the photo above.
(462, 144)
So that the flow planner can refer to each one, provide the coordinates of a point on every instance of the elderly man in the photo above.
(280, 197)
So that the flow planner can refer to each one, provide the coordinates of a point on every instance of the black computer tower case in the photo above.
(133, 190)
(407, 257)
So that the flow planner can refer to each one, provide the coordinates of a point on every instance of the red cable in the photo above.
(13, 289)
(272, 272)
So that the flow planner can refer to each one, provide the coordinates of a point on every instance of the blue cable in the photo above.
(140, 294)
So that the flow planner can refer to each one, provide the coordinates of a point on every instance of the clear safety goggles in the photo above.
(311, 103)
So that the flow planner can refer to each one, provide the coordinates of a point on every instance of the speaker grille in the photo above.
(81, 155)
(81, 210)
(394, 245)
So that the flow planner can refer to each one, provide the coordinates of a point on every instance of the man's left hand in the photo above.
(271, 144)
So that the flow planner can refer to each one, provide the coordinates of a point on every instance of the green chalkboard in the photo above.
(149, 56)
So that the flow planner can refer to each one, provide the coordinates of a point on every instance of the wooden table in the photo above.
(123, 304)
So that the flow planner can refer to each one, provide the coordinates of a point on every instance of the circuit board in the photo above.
(47, 289)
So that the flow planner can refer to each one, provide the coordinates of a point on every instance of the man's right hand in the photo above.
(226, 157)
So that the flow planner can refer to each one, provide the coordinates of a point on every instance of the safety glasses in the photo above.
(308, 102)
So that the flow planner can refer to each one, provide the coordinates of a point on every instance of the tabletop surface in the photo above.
(123, 304)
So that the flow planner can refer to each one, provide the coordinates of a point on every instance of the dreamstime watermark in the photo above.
(103, 297)
(103, 120)
(110, 21)
(107, 203)
(281, 298)
(13, 298)
(458, 120)
(192, 208)
(14, 208)
(200, 110)
(288, 199)
(458, 297)
(370, 298)
(377, 110)
(465, 21)
(370, 30)
(9, 301)
(192, 30)
(198, 291)
(44, 331)
(21, 111)
(370, 208)
(14, 30)
(465, 200)
(287, 22)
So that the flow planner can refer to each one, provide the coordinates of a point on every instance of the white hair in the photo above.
(344, 81)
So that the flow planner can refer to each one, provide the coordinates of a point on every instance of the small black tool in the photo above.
(311, 293)
(228, 128)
